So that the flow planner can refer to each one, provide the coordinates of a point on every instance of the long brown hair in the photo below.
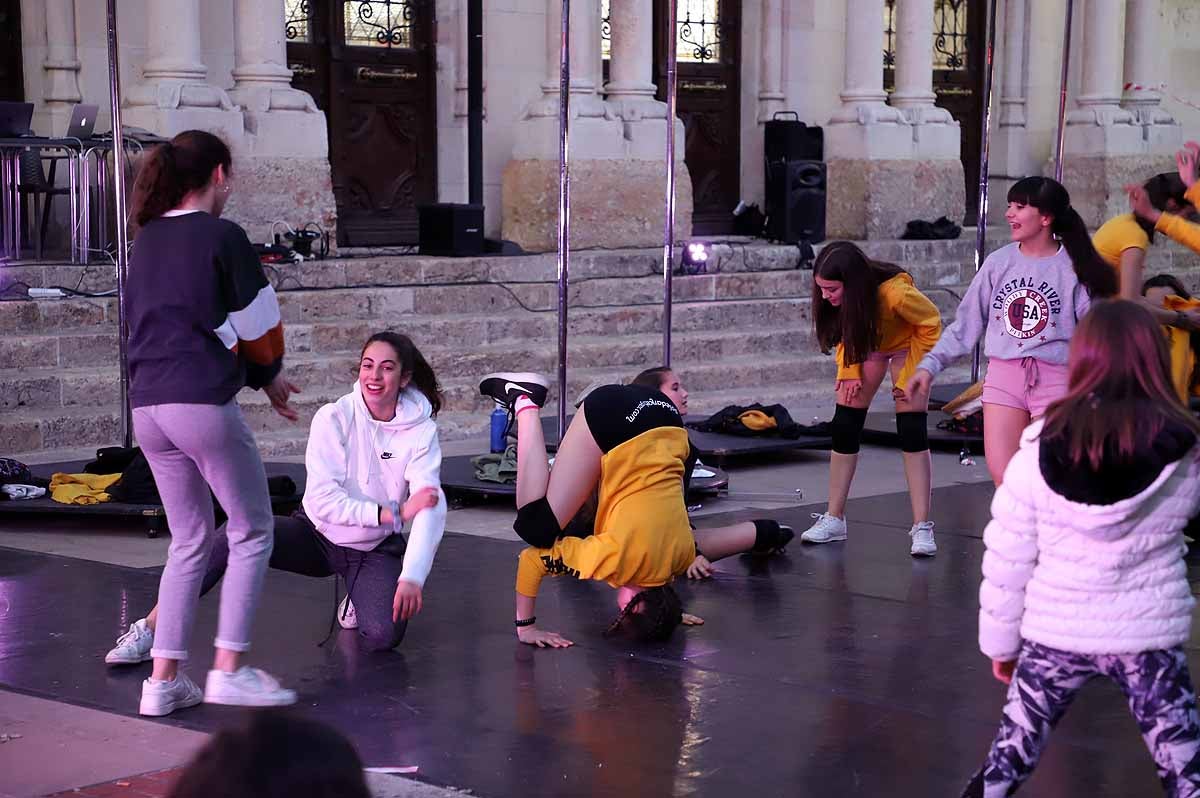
(1051, 199)
(855, 323)
(171, 170)
(1120, 394)
(411, 362)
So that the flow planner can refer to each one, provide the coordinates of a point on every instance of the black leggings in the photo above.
(370, 575)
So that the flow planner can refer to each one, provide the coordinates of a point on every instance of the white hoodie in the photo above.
(356, 465)
(1086, 578)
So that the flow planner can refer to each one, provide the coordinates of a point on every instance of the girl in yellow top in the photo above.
(629, 442)
(880, 323)
(1165, 290)
(1123, 240)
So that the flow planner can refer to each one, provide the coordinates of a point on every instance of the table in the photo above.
(79, 154)
(10, 182)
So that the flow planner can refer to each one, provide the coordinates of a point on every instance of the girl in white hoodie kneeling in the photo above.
(1084, 573)
(374, 464)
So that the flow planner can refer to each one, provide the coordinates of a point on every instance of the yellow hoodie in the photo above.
(907, 321)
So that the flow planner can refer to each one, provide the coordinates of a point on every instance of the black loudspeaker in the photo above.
(449, 229)
(792, 140)
(796, 201)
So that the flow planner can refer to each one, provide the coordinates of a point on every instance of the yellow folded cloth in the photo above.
(757, 420)
(81, 488)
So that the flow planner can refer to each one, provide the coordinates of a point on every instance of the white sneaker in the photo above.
(347, 617)
(246, 687)
(163, 698)
(922, 540)
(827, 529)
(133, 646)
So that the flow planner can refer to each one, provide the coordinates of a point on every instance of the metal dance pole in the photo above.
(669, 216)
(122, 259)
(1062, 96)
(564, 207)
(981, 219)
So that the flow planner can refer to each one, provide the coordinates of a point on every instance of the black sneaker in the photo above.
(506, 386)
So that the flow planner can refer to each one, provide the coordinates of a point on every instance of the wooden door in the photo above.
(369, 65)
(959, 59)
(707, 42)
(12, 81)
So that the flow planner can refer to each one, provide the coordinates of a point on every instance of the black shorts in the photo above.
(619, 413)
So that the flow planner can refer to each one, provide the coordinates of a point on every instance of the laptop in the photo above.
(83, 121)
(15, 119)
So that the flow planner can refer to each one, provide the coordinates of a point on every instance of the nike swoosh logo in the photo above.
(510, 385)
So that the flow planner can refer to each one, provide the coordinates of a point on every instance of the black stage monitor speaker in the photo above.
(792, 140)
(449, 229)
(796, 201)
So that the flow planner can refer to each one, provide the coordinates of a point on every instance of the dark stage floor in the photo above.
(848, 669)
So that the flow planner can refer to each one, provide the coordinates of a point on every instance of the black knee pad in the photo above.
(913, 429)
(847, 427)
(537, 525)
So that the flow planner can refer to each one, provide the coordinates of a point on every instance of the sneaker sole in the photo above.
(832, 539)
(347, 625)
(160, 711)
(277, 700)
(923, 552)
(111, 660)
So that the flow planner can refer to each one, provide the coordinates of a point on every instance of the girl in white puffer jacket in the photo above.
(1084, 573)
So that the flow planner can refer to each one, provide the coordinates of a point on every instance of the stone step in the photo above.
(744, 255)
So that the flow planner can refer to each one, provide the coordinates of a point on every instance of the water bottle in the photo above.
(499, 423)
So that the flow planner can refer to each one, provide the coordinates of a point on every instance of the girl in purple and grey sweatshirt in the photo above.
(1024, 303)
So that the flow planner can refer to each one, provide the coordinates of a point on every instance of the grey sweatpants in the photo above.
(191, 448)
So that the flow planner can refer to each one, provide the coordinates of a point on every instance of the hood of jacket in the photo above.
(412, 408)
(1115, 496)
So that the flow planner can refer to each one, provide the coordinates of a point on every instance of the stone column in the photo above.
(770, 94)
(616, 167)
(1103, 147)
(1011, 157)
(630, 89)
(866, 126)
(278, 118)
(61, 65)
(872, 151)
(174, 94)
(935, 132)
(1143, 43)
(1100, 125)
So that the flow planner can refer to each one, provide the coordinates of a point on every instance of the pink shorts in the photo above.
(1027, 384)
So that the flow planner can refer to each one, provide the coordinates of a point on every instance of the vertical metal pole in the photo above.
(564, 207)
(981, 219)
(669, 215)
(1062, 96)
(122, 259)
(475, 102)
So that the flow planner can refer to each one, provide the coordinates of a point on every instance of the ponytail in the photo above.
(426, 382)
(412, 363)
(1051, 199)
(1093, 272)
(172, 170)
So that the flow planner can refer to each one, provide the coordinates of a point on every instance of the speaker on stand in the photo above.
(795, 180)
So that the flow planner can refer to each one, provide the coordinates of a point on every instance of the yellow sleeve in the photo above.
(844, 372)
(925, 325)
(1179, 230)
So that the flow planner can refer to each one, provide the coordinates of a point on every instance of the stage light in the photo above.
(695, 257)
